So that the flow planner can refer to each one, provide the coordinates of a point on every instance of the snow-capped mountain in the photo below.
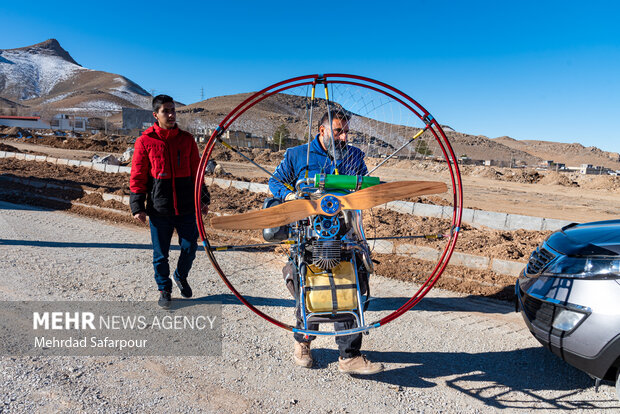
(45, 76)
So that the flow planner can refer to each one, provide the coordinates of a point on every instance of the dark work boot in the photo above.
(165, 300)
(186, 290)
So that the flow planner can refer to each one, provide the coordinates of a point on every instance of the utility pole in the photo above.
(202, 93)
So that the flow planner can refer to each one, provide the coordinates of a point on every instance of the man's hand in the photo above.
(290, 196)
(140, 216)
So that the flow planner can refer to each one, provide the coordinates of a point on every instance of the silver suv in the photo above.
(569, 296)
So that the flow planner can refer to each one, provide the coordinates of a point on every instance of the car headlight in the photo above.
(584, 267)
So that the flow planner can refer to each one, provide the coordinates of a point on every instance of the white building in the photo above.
(69, 122)
(589, 169)
(26, 122)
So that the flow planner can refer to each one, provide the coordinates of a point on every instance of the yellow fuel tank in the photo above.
(331, 291)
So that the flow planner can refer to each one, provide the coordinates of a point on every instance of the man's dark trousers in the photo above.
(162, 229)
(348, 345)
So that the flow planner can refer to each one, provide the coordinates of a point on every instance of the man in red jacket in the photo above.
(163, 170)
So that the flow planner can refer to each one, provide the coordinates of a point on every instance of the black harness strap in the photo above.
(332, 284)
(325, 287)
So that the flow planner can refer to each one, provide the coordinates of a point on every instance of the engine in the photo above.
(337, 238)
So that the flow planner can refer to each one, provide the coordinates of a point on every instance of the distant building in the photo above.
(493, 163)
(589, 169)
(241, 139)
(137, 118)
(69, 122)
(554, 166)
(465, 160)
(26, 122)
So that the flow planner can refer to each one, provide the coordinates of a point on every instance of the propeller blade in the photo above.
(275, 216)
(329, 204)
(383, 193)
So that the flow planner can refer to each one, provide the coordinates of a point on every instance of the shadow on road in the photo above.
(5, 205)
(511, 379)
(469, 303)
(230, 299)
(455, 304)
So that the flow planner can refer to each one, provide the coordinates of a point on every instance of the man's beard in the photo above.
(341, 148)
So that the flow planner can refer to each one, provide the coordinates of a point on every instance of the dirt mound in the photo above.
(487, 172)
(98, 136)
(600, 182)
(524, 176)
(51, 141)
(79, 143)
(267, 157)
(66, 175)
(503, 174)
(221, 153)
(8, 148)
(508, 245)
(17, 132)
(455, 278)
(73, 140)
(227, 199)
(96, 199)
(556, 178)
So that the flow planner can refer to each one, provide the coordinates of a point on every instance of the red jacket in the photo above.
(163, 170)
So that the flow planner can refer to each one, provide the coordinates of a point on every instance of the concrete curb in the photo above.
(64, 161)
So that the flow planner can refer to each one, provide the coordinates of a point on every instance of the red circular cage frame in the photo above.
(377, 86)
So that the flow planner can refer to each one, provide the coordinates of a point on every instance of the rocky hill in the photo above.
(44, 77)
(570, 154)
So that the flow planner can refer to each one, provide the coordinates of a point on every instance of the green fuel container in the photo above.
(344, 182)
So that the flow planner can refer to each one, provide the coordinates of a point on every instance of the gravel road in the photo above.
(451, 354)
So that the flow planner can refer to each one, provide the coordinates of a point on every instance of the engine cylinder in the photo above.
(326, 254)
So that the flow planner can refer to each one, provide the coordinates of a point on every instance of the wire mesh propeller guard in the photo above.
(398, 139)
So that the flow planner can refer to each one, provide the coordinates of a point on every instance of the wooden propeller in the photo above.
(328, 205)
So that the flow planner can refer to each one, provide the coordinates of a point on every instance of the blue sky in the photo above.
(529, 70)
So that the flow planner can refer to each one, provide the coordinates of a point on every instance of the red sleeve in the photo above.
(139, 168)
